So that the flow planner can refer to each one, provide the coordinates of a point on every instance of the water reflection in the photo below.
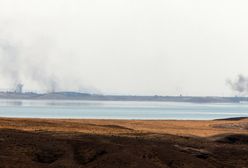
(11, 103)
(49, 103)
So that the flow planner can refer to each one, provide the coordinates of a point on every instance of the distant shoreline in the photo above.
(117, 119)
(97, 97)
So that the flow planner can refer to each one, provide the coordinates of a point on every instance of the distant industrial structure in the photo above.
(17, 93)
(19, 88)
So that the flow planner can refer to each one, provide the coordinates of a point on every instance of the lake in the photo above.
(119, 110)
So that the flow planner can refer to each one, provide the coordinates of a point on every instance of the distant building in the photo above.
(19, 88)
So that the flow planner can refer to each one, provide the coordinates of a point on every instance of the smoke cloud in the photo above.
(9, 62)
(240, 84)
(33, 67)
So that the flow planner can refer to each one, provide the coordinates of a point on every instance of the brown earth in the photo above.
(49, 143)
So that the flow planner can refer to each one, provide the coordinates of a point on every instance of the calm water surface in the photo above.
(119, 110)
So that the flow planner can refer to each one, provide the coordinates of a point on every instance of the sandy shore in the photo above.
(123, 143)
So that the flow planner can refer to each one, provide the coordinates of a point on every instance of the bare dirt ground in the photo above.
(42, 143)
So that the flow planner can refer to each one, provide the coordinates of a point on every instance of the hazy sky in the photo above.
(145, 47)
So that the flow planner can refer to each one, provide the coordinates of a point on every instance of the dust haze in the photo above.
(139, 47)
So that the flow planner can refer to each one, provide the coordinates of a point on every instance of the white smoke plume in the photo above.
(33, 67)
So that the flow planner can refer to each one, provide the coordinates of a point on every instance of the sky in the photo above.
(131, 47)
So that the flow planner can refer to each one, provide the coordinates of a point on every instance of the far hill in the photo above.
(87, 96)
